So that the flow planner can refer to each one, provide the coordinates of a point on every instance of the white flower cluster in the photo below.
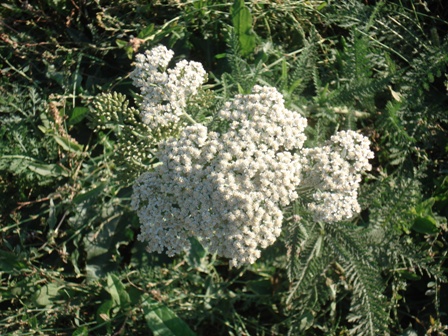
(226, 189)
(165, 91)
(334, 171)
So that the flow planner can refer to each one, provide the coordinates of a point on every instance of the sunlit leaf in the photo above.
(242, 23)
(163, 321)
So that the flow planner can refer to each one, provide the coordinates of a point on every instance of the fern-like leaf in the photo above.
(311, 263)
(367, 309)
(304, 66)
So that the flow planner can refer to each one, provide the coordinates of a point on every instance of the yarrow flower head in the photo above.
(165, 91)
(334, 171)
(228, 188)
(220, 187)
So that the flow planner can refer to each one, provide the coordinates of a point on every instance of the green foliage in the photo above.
(26, 155)
(242, 24)
(162, 321)
(70, 261)
(337, 257)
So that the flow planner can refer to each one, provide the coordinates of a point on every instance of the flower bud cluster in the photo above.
(134, 145)
(334, 172)
(165, 92)
(227, 188)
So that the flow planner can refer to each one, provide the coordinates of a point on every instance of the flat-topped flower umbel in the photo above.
(228, 188)
(165, 92)
(334, 171)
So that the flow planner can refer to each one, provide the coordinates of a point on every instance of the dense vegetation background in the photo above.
(70, 263)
